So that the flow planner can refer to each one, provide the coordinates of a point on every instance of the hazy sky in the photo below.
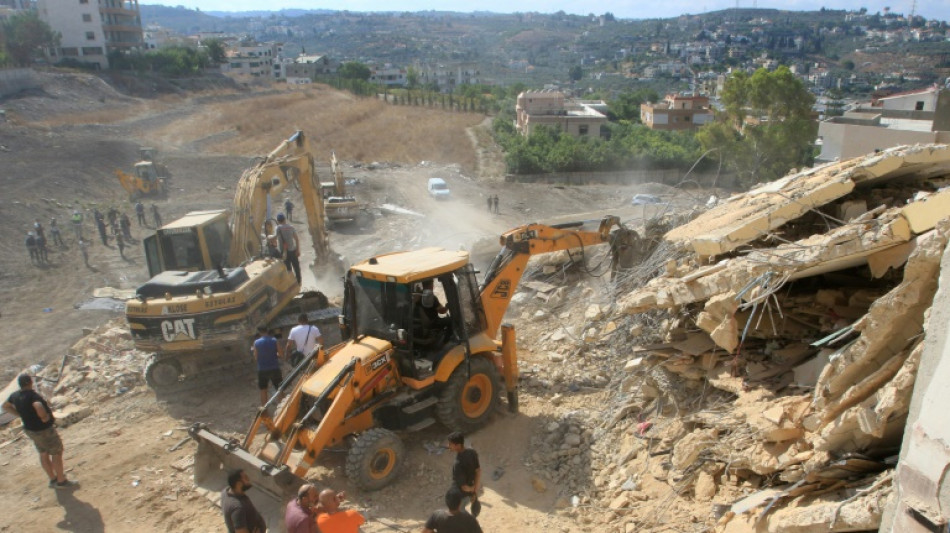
(932, 9)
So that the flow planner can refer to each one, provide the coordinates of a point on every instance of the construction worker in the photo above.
(77, 223)
(289, 245)
(140, 213)
(31, 247)
(156, 216)
(55, 233)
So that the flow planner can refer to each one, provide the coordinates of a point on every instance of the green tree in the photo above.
(412, 78)
(627, 105)
(353, 70)
(766, 127)
(216, 51)
(847, 64)
(576, 73)
(25, 35)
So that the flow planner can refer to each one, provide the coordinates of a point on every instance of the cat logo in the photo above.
(502, 290)
(172, 329)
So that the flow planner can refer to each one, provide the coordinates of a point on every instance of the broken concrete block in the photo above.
(705, 488)
(806, 374)
(923, 216)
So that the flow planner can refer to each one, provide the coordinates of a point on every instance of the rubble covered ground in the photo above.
(751, 371)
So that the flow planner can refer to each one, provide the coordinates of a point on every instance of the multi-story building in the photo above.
(906, 118)
(447, 77)
(551, 109)
(304, 68)
(388, 75)
(676, 112)
(255, 60)
(90, 30)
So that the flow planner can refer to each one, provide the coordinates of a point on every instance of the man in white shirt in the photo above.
(302, 339)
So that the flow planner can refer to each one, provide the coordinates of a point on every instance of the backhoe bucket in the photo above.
(216, 456)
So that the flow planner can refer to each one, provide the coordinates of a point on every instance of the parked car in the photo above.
(645, 199)
(438, 189)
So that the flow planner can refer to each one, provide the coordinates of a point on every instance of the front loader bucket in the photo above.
(216, 456)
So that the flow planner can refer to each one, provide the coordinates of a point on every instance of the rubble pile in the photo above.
(762, 381)
(102, 365)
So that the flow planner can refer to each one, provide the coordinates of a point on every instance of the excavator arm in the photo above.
(518, 245)
(290, 162)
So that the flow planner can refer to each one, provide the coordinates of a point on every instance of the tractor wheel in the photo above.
(469, 398)
(375, 460)
(162, 373)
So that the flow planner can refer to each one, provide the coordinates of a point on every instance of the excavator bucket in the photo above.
(216, 456)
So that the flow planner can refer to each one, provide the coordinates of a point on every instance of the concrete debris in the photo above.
(763, 390)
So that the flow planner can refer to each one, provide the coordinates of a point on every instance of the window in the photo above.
(90, 36)
(235, 65)
(86, 17)
(92, 50)
(83, 1)
(582, 129)
(919, 106)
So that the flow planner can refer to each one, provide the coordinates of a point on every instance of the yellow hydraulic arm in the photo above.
(290, 162)
(518, 245)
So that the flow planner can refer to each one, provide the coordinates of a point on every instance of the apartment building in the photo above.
(255, 60)
(906, 118)
(388, 75)
(552, 109)
(676, 112)
(92, 29)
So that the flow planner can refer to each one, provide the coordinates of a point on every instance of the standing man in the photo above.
(38, 424)
(489, 203)
(494, 202)
(156, 216)
(31, 247)
(126, 224)
(55, 234)
(84, 250)
(77, 224)
(240, 515)
(333, 520)
(455, 520)
(267, 354)
(101, 226)
(299, 516)
(140, 213)
(304, 337)
(289, 245)
(120, 243)
(41, 250)
(289, 208)
(466, 472)
(38, 228)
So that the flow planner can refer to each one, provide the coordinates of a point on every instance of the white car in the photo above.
(438, 189)
(645, 199)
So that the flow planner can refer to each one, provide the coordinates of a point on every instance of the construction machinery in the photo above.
(402, 367)
(149, 177)
(339, 206)
(212, 282)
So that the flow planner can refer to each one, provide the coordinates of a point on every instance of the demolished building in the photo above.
(798, 316)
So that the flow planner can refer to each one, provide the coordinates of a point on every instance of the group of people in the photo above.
(493, 204)
(314, 511)
(37, 244)
(116, 225)
(284, 243)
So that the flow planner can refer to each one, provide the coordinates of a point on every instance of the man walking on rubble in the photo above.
(39, 425)
(454, 520)
(289, 245)
(140, 213)
(466, 471)
(240, 515)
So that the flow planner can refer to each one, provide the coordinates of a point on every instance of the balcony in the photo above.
(118, 11)
(122, 28)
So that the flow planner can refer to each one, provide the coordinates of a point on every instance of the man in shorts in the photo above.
(267, 353)
(39, 425)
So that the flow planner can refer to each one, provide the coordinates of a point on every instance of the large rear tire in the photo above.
(376, 459)
(469, 399)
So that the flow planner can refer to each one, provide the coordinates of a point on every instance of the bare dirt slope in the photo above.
(58, 154)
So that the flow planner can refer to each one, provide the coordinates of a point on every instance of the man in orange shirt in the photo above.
(333, 520)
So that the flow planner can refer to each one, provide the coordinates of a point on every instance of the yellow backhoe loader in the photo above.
(340, 207)
(213, 282)
(149, 177)
(403, 367)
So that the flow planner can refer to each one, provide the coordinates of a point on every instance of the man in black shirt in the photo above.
(38, 424)
(466, 472)
(455, 520)
(240, 515)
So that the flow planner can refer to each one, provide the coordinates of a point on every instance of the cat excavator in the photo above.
(393, 373)
(213, 281)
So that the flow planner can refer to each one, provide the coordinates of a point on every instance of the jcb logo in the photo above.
(502, 290)
(171, 329)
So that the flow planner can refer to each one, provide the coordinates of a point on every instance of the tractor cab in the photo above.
(425, 303)
(146, 171)
(198, 241)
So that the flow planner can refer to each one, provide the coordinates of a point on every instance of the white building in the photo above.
(388, 75)
(255, 60)
(92, 29)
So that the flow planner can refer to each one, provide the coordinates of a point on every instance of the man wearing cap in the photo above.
(289, 245)
(267, 354)
(38, 424)
(299, 516)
